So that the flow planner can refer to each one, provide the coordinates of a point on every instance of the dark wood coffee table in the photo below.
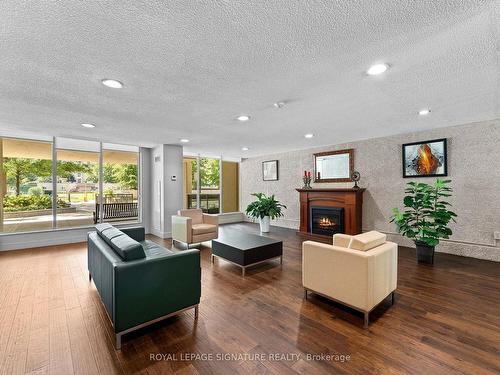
(245, 249)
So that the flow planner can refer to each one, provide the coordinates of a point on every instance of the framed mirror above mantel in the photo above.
(334, 166)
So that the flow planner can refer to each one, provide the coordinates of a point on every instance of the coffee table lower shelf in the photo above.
(243, 268)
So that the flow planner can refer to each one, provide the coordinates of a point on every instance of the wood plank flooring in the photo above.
(446, 320)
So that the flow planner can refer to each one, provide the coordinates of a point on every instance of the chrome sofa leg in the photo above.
(118, 341)
(367, 320)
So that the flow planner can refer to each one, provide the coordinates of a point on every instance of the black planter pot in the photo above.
(425, 253)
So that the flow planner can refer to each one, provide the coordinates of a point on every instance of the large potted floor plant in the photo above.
(264, 209)
(425, 217)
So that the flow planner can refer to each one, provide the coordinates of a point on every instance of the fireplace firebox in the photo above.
(326, 220)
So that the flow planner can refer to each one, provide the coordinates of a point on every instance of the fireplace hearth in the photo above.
(326, 220)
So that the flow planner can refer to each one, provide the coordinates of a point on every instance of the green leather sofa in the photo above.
(139, 281)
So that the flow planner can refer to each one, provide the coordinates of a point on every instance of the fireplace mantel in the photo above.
(351, 200)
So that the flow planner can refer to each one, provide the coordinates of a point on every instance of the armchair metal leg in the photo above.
(196, 311)
(305, 293)
(90, 277)
(367, 320)
(118, 341)
(392, 298)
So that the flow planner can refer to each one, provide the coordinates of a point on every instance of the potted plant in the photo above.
(265, 208)
(426, 216)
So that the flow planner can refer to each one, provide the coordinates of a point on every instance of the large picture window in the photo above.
(42, 188)
(211, 184)
(120, 175)
(25, 185)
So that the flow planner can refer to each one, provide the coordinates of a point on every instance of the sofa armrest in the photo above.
(154, 287)
(136, 233)
(182, 228)
(211, 219)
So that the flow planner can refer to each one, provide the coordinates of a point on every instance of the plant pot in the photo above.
(425, 253)
(264, 224)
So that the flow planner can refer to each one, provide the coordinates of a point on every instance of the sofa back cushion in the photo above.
(367, 241)
(196, 215)
(126, 247)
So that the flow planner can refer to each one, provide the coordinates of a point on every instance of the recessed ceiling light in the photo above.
(243, 118)
(113, 83)
(279, 104)
(87, 125)
(184, 140)
(377, 69)
(244, 149)
(424, 112)
(310, 135)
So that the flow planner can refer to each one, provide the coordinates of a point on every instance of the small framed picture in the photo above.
(270, 170)
(425, 159)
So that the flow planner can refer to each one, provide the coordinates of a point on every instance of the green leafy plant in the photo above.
(23, 202)
(426, 215)
(265, 206)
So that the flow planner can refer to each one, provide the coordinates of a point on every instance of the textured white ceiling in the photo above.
(190, 67)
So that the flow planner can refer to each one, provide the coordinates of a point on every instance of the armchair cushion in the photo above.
(367, 241)
(342, 240)
(196, 215)
(203, 228)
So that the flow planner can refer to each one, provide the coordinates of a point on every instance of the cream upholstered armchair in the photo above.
(193, 226)
(358, 271)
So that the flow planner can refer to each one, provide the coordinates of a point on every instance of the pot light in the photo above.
(279, 104)
(87, 125)
(244, 149)
(377, 69)
(243, 118)
(310, 135)
(113, 83)
(424, 112)
(184, 140)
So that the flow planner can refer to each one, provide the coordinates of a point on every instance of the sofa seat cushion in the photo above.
(153, 250)
(203, 228)
(367, 241)
(126, 247)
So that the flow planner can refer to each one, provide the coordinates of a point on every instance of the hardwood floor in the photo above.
(446, 319)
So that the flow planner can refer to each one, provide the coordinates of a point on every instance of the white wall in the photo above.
(166, 193)
(473, 165)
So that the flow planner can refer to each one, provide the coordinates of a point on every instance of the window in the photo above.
(120, 173)
(77, 182)
(210, 185)
(34, 179)
(214, 183)
(25, 185)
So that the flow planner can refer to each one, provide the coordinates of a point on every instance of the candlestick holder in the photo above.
(307, 182)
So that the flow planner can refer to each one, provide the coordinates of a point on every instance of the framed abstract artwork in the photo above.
(425, 159)
(270, 170)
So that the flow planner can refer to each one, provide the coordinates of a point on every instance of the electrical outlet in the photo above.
(496, 235)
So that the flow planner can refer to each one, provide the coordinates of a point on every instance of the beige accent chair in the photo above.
(193, 226)
(358, 271)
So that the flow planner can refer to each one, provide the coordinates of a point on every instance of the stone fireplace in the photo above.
(326, 220)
